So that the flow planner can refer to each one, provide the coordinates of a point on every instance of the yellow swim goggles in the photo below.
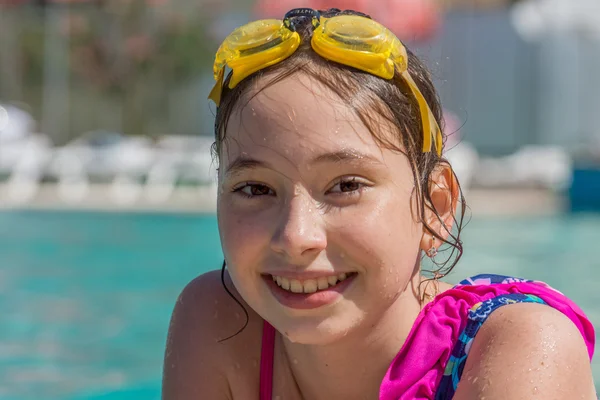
(348, 38)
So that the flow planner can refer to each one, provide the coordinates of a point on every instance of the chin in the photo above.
(316, 331)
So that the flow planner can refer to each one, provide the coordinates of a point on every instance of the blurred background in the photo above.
(107, 184)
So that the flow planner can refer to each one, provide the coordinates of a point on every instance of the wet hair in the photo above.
(371, 98)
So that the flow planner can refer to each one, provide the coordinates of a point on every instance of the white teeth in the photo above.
(296, 286)
(322, 283)
(310, 286)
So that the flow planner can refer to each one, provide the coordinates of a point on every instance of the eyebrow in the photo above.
(346, 155)
(245, 163)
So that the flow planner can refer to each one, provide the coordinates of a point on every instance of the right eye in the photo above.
(251, 190)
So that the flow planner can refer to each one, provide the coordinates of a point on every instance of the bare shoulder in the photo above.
(527, 351)
(199, 363)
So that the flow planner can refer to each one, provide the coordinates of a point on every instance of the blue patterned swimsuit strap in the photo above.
(477, 316)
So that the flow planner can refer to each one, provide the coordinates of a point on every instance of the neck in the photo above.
(353, 367)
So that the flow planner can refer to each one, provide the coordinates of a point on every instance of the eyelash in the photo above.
(362, 184)
(240, 189)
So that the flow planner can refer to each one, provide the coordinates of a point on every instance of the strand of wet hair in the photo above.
(234, 299)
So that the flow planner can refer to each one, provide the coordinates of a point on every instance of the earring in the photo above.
(432, 252)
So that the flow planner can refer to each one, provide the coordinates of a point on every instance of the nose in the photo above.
(300, 229)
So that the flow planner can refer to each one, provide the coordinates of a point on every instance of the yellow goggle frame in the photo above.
(351, 40)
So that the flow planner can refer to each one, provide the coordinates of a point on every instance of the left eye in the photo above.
(347, 186)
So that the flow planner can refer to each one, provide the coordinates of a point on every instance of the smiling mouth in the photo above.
(310, 285)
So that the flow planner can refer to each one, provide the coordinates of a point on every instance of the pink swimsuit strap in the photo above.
(267, 353)
(430, 363)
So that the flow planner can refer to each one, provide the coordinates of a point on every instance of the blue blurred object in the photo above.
(87, 297)
(150, 392)
(584, 193)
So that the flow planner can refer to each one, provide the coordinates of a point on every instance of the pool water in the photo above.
(86, 297)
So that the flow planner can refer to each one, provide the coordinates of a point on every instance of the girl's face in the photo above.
(308, 198)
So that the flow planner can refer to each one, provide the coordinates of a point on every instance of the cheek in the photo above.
(243, 236)
(384, 238)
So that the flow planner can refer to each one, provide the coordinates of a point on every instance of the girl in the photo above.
(332, 189)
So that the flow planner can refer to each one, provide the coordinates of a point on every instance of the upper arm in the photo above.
(193, 357)
(526, 351)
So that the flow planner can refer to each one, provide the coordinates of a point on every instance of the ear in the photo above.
(444, 194)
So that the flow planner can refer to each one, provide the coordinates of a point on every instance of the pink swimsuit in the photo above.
(430, 363)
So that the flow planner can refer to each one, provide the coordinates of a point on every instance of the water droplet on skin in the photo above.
(535, 390)
(485, 386)
(295, 361)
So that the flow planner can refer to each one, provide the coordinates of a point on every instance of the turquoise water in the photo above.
(86, 297)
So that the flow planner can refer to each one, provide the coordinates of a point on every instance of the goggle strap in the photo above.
(439, 140)
(217, 90)
(431, 130)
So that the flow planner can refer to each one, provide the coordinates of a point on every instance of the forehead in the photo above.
(298, 117)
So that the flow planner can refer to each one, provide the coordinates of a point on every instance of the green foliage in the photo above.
(123, 55)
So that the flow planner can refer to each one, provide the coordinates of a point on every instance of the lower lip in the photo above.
(308, 301)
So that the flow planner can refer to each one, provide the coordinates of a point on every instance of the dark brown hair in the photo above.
(371, 98)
